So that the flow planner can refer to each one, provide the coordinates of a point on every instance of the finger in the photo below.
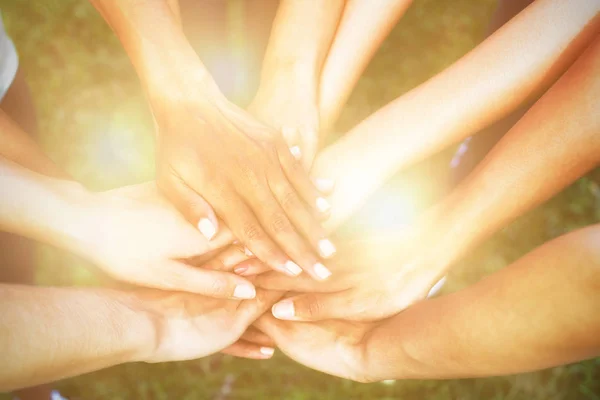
(226, 260)
(292, 139)
(308, 142)
(272, 281)
(253, 267)
(300, 180)
(280, 228)
(300, 216)
(193, 206)
(245, 349)
(253, 335)
(176, 276)
(316, 307)
(250, 233)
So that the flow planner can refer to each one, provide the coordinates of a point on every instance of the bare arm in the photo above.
(75, 331)
(363, 28)
(518, 60)
(19, 147)
(539, 312)
(555, 143)
(288, 95)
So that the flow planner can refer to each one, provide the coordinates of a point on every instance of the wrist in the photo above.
(139, 332)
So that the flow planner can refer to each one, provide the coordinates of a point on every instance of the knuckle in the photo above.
(289, 199)
(312, 306)
(280, 224)
(252, 232)
(219, 285)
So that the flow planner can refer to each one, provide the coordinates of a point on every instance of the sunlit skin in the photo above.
(555, 143)
(360, 33)
(93, 329)
(537, 313)
(287, 97)
(264, 195)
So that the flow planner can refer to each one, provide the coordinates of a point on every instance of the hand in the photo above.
(247, 173)
(135, 235)
(189, 326)
(289, 104)
(334, 347)
(372, 280)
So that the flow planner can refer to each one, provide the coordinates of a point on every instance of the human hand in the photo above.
(372, 280)
(214, 151)
(288, 102)
(135, 235)
(188, 326)
(335, 347)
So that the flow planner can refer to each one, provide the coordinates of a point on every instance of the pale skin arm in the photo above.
(512, 65)
(19, 147)
(538, 313)
(83, 330)
(555, 143)
(263, 195)
(363, 28)
(288, 95)
(75, 331)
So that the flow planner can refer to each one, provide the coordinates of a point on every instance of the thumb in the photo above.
(175, 276)
(193, 207)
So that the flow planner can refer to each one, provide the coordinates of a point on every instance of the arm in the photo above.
(132, 233)
(209, 151)
(288, 95)
(483, 86)
(363, 28)
(555, 143)
(19, 147)
(538, 313)
(83, 330)
(75, 331)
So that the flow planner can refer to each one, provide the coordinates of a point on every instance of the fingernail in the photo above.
(292, 268)
(240, 270)
(244, 291)
(321, 271)
(247, 252)
(324, 184)
(283, 310)
(267, 351)
(326, 248)
(296, 152)
(206, 228)
(323, 205)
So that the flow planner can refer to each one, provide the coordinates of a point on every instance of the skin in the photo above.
(360, 33)
(538, 313)
(264, 195)
(132, 233)
(383, 282)
(514, 64)
(98, 328)
(287, 97)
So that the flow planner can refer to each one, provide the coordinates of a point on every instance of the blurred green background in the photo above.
(95, 123)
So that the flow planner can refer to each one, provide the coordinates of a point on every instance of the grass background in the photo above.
(95, 123)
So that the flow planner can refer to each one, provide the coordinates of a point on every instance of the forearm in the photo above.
(363, 28)
(483, 86)
(20, 148)
(537, 313)
(47, 334)
(554, 144)
(42, 208)
(301, 37)
(151, 34)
